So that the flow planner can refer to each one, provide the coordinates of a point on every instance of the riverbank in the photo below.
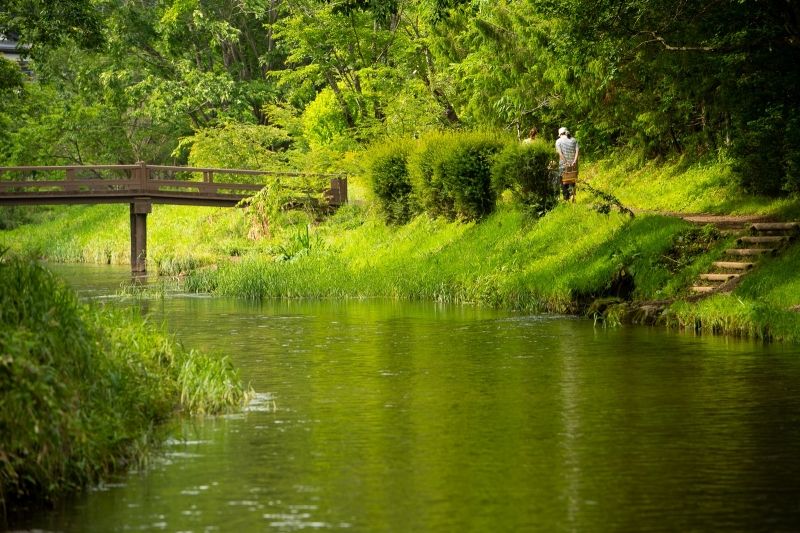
(85, 388)
(564, 262)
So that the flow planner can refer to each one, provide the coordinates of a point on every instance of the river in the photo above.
(397, 416)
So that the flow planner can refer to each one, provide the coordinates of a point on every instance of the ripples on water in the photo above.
(386, 416)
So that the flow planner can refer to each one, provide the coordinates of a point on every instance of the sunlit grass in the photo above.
(508, 260)
(766, 304)
(557, 263)
(681, 186)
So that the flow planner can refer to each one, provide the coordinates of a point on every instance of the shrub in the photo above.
(467, 175)
(388, 173)
(452, 174)
(426, 168)
(524, 168)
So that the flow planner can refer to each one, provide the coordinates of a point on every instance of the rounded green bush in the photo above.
(451, 174)
(525, 170)
(389, 176)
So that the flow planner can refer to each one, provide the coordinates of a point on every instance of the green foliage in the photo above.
(467, 176)
(83, 387)
(451, 174)
(527, 169)
(326, 121)
(235, 145)
(41, 23)
(682, 185)
(11, 77)
(297, 244)
(266, 208)
(605, 201)
(426, 168)
(766, 159)
(688, 245)
(657, 77)
(765, 305)
(562, 261)
(389, 177)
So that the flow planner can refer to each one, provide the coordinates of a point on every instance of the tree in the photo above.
(700, 75)
(45, 23)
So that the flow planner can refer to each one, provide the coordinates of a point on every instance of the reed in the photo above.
(85, 388)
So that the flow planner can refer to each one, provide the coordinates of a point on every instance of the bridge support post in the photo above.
(139, 210)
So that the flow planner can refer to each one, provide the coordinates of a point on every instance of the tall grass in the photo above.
(508, 260)
(83, 388)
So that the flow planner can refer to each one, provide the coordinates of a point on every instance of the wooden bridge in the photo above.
(142, 185)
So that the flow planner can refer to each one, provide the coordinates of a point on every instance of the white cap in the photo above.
(562, 130)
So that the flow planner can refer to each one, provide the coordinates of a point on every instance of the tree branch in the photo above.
(667, 46)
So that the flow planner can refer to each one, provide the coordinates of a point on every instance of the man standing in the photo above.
(568, 149)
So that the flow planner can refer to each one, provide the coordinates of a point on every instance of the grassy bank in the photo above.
(562, 262)
(508, 260)
(683, 186)
(765, 305)
(84, 388)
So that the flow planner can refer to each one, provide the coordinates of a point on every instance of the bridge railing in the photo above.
(67, 178)
(108, 181)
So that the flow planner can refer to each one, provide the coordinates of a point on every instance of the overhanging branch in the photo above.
(672, 48)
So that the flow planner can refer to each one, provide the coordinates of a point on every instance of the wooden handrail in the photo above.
(139, 180)
(70, 167)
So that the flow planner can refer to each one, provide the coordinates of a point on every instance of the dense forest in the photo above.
(297, 83)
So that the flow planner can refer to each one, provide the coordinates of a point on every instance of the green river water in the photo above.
(396, 416)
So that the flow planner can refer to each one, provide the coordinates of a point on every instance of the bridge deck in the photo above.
(141, 186)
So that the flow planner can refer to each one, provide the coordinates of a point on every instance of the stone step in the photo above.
(771, 239)
(733, 265)
(749, 251)
(718, 277)
(703, 288)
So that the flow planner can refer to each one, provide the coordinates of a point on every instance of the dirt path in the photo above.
(720, 221)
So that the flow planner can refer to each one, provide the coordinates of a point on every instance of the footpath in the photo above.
(756, 237)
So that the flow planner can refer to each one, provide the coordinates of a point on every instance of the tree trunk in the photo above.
(348, 116)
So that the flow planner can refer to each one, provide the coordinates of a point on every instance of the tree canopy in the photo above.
(122, 80)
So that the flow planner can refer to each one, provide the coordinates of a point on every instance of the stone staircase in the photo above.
(760, 239)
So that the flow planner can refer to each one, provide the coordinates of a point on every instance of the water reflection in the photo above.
(387, 416)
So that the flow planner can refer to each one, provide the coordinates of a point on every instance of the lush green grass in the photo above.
(508, 260)
(766, 304)
(683, 187)
(557, 263)
(83, 388)
(179, 238)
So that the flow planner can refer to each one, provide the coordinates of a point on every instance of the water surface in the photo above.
(389, 416)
